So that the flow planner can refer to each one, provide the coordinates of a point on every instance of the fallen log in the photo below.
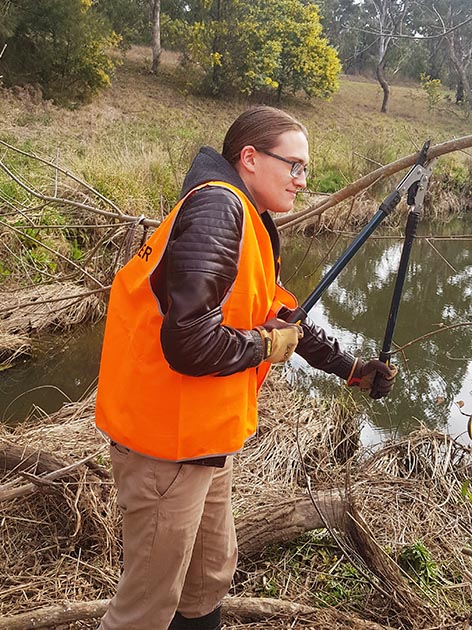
(8, 492)
(51, 616)
(31, 464)
(244, 608)
(260, 608)
(289, 519)
(35, 461)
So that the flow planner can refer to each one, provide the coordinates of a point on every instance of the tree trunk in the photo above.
(286, 520)
(36, 462)
(460, 55)
(28, 464)
(380, 73)
(156, 34)
(462, 71)
(467, 90)
(52, 616)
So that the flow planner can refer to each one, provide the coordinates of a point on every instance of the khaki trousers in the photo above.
(179, 542)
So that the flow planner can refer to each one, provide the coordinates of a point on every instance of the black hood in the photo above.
(209, 165)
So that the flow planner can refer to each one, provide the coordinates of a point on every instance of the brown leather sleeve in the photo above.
(201, 263)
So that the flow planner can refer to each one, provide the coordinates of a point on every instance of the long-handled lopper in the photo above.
(414, 184)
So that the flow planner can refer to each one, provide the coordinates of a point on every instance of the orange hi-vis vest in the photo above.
(145, 405)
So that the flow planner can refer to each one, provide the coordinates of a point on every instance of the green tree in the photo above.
(405, 38)
(260, 47)
(454, 22)
(130, 19)
(342, 22)
(62, 46)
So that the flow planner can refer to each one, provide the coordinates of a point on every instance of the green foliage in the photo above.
(328, 181)
(76, 252)
(466, 490)
(314, 558)
(342, 583)
(43, 260)
(130, 19)
(61, 46)
(173, 32)
(336, 580)
(10, 191)
(433, 89)
(355, 28)
(261, 48)
(343, 22)
(4, 271)
(455, 176)
(42, 243)
(417, 561)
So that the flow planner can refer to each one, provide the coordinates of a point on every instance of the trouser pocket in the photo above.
(167, 475)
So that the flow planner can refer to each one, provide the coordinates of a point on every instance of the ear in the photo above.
(247, 158)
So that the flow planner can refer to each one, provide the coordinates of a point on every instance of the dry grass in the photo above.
(135, 141)
(63, 543)
(47, 307)
(51, 306)
(13, 348)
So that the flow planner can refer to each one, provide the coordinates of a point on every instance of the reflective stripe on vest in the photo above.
(145, 405)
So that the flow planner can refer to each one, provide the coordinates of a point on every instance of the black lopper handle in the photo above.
(374, 390)
(410, 232)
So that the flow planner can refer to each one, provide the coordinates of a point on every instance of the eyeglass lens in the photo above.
(297, 169)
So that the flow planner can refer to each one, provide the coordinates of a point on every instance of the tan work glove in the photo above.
(364, 373)
(280, 339)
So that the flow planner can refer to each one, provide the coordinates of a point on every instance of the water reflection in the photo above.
(435, 373)
(64, 368)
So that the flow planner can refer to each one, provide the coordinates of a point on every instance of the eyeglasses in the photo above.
(297, 167)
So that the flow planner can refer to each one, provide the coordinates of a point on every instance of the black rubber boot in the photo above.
(212, 621)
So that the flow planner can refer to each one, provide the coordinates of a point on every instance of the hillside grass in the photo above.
(135, 141)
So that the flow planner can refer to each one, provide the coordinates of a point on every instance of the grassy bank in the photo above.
(135, 141)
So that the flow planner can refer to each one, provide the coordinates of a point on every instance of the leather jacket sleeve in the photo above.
(201, 263)
(323, 352)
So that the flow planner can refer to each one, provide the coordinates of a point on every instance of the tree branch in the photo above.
(246, 608)
(394, 35)
(8, 493)
(354, 188)
(64, 172)
(429, 334)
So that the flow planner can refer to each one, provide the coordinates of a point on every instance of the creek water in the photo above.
(434, 374)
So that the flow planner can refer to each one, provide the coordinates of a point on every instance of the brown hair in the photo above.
(260, 127)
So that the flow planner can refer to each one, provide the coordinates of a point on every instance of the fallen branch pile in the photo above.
(347, 526)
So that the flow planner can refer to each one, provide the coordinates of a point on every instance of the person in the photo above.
(195, 320)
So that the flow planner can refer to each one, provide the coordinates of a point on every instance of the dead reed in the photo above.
(43, 307)
(403, 559)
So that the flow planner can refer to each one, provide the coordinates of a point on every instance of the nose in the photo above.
(300, 180)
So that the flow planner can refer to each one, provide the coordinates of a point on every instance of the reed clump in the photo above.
(400, 557)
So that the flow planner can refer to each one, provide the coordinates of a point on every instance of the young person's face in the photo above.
(273, 182)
